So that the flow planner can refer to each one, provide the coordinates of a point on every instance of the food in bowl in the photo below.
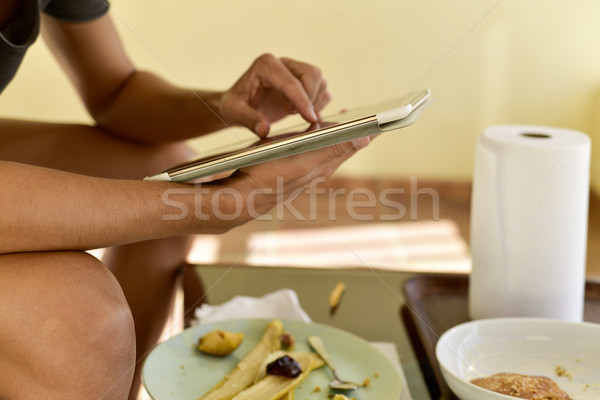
(523, 386)
(529, 346)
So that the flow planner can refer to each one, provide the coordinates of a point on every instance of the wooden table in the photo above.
(436, 303)
(328, 208)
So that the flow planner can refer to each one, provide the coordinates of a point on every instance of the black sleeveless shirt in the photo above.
(20, 34)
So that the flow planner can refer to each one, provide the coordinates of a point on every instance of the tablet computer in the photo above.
(338, 128)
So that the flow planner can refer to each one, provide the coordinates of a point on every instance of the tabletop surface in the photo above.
(369, 308)
(374, 306)
(327, 205)
(438, 302)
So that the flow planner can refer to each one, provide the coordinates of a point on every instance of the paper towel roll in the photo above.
(529, 223)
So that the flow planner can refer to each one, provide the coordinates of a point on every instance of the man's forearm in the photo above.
(45, 210)
(148, 109)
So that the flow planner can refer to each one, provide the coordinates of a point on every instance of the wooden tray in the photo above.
(438, 302)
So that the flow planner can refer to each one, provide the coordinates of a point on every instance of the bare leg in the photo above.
(65, 329)
(148, 274)
(146, 271)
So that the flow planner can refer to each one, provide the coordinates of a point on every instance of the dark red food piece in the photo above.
(284, 366)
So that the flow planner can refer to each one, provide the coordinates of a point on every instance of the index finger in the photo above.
(276, 74)
(309, 75)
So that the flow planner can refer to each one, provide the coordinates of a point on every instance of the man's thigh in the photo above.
(85, 149)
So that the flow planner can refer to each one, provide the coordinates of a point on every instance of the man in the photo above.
(70, 325)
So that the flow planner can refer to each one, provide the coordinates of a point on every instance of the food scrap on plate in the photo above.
(220, 343)
(265, 373)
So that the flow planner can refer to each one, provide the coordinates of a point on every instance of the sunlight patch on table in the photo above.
(432, 246)
(205, 250)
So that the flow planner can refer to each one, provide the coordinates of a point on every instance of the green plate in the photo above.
(176, 370)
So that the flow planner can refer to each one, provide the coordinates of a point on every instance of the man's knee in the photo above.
(66, 321)
(101, 316)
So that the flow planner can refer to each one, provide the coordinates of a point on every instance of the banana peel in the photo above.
(273, 387)
(243, 374)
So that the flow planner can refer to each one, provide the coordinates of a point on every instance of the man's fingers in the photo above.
(323, 97)
(309, 75)
(330, 158)
(247, 116)
(275, 74)
(273, 88)
(340, 152)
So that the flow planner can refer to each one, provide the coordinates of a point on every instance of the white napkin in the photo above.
(283, 304)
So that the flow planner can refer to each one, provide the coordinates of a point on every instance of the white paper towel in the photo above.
(529, 223)
(283, 304)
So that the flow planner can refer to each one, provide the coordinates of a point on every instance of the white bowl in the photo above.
(530, 346)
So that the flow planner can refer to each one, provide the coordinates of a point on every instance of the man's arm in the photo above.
(143, 107)
(130, 103)
(45, 209)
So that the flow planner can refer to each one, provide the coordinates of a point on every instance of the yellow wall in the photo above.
(487, 62)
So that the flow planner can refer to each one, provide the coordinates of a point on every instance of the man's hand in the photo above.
(273, 88)
(263, 186)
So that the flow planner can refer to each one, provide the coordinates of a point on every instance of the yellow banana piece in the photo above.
(242, 375)
(273, 387)
(336, 296)
(220, 343)
(288, 396)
